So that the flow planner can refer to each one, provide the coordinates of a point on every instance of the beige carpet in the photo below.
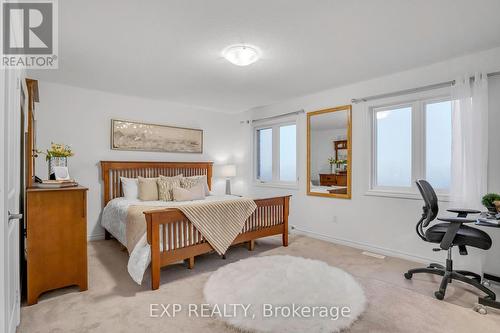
(114, 303)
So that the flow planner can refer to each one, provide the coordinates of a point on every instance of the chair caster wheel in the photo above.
(408, 276)
(481, 309)
(439, 295)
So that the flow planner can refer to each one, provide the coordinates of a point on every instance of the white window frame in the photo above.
(275, 125)
(418, 143)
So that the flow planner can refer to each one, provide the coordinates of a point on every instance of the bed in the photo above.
(329, 189)
(170, 236)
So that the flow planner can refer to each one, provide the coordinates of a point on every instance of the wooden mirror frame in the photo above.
(347, 108)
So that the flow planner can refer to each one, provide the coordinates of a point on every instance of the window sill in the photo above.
(404, 195)
(286, 186)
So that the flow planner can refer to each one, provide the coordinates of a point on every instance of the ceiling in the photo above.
(171, 49)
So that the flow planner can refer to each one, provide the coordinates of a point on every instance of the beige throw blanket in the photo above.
(219, 221)
(136, 224)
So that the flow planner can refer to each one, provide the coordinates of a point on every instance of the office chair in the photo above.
(449, 234)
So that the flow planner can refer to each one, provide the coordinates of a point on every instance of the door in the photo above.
(10, 164)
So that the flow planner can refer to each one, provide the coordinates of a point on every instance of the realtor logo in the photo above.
(29, 34)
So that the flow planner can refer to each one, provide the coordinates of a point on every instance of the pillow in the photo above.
(196, 192)
(148, 189)
(130, 187)
(166, 185)
(188, 182)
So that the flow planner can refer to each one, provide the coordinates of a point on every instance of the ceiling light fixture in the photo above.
(241, 54)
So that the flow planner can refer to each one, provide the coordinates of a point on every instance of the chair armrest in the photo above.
(449, 236)
(458, 220)
(452, 230)
(462, 212)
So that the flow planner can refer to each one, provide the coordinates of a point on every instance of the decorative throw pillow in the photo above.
(166, 185)
(196, 192)
(188, 182)
(130, 187)
(148, 189)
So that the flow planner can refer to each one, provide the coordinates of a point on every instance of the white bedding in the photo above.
(114, 219)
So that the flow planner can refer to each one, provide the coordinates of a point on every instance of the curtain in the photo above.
(469, 157)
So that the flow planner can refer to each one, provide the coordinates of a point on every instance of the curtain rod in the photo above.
(278, 116)
(412, 91)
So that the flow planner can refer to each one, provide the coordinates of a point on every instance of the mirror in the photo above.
(329, 152)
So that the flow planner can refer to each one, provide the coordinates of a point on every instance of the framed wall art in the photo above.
(131, 135)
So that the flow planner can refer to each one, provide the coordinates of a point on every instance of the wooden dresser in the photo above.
(56, 239)
(333, 179)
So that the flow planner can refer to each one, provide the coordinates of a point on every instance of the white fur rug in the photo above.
(284, 294)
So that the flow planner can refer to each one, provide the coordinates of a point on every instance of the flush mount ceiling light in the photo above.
(241, 54)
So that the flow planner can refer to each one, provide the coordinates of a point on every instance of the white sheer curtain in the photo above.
(469, 157)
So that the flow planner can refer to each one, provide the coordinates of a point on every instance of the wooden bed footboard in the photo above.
(173, 237)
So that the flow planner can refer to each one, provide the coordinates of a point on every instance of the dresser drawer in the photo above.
(327, 179)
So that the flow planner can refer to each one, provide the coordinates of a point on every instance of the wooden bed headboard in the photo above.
(113, 170)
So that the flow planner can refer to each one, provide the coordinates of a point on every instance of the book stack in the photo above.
(57, 183)
(489, 218)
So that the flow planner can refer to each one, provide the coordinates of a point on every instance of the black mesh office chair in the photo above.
(449, 234)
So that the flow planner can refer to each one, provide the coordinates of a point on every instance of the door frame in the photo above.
(10, 94)
(3, 213)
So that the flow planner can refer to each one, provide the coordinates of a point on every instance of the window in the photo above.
(276, 153)
(394, 146)
(265, 154)
(288, 153)
(438, 144)
(410, 141)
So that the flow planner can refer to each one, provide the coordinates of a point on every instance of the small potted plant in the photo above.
(57, 156)
(342, 165)
(491, 201)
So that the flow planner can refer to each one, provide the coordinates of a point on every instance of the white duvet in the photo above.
(114, 219)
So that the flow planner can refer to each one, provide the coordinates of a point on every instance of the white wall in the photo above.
(82, 119)
(379, 223)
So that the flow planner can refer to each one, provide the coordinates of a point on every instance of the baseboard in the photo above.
(365, 246)
(95, 237)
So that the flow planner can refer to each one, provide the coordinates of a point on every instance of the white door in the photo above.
(10, 143)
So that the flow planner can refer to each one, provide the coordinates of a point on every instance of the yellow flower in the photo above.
(59, 150)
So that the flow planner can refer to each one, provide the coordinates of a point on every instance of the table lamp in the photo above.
(228, 171)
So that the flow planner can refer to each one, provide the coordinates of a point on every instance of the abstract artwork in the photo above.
(130, 135)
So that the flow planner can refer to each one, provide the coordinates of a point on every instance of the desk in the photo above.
(486, 224)
(484, 300)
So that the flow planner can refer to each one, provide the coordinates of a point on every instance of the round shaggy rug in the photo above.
(284, 294)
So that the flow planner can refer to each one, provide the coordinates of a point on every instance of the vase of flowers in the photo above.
(57, 156)
(332, 161)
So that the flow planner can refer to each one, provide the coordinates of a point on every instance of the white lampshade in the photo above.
(227, 171)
